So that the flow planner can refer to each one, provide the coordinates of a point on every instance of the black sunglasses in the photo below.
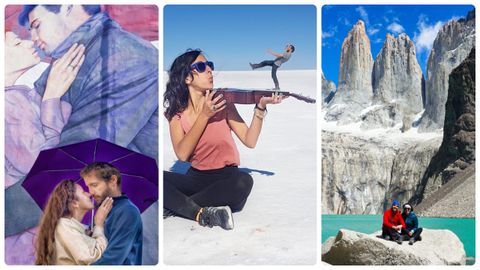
(202, 66)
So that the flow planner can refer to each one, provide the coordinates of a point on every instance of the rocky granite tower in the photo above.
(328, 89)
(451, 46)
(354, 90)
(397, 76)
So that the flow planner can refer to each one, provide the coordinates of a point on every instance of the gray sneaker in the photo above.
(411, 241)
(399, 240)
(217, 216)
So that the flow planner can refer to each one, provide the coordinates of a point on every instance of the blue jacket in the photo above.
(115, 94)
(124, 231)
(411, 221)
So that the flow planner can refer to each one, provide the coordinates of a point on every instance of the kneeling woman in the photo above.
(200, 130)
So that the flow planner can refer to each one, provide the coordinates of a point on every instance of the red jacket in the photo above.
(390, 219)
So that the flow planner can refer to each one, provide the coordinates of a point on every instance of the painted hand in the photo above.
(64, 71)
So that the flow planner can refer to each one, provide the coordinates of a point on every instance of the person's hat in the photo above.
(407, 206)
(395, 203)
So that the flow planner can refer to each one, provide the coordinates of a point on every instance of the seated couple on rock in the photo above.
(399, 226)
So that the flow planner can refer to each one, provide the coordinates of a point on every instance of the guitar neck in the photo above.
(269, 93)
(302, 98)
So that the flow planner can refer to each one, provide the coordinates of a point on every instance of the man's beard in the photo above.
(106, 194)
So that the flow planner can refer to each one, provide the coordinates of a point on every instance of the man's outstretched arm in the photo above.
(274, 53)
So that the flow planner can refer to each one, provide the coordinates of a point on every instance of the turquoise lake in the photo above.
(464, 228)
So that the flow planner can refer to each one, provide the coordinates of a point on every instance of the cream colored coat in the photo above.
(74, 246)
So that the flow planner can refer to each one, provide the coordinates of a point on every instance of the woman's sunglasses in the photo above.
(202, 66)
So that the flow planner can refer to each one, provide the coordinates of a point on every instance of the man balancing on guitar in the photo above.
(275, 64)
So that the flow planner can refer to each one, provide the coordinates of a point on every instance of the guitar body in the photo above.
(244, 96)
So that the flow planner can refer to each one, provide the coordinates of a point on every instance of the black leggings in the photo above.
(415, 235)
(185, 194)
(394, 234)
(274, 70)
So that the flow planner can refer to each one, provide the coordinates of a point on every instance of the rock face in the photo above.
(359, 175)
(438, 247)
(457, 151)
(397, 76)
(451, 46)
(397, 84)
(454, 199)
(355, 76)
(384, 116)
(328, 89)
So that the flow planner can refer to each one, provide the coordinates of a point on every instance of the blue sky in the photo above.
(420, 22)
(234, 35)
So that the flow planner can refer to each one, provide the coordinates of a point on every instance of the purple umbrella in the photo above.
(139, 172)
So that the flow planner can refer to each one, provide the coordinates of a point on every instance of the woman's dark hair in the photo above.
(175, 99)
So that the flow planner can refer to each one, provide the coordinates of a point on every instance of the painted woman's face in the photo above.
(19, 53)
(202, 80)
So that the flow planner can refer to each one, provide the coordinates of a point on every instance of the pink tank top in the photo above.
(216, 148)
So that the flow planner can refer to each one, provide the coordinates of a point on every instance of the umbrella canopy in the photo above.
(139, 172)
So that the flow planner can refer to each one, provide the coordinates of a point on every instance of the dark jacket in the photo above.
(115, 94)
(411, 221)
(123, 229)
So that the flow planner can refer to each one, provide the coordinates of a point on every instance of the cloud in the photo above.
(343, 20)
(327, 7)
(396, 28)
(388, 14)
(363, 14)
(426, 34)
(372, 30)
(330, 33)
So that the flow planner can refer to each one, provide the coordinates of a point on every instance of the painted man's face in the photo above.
(48, 29)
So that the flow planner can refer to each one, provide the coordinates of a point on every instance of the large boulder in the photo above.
(438, 247)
